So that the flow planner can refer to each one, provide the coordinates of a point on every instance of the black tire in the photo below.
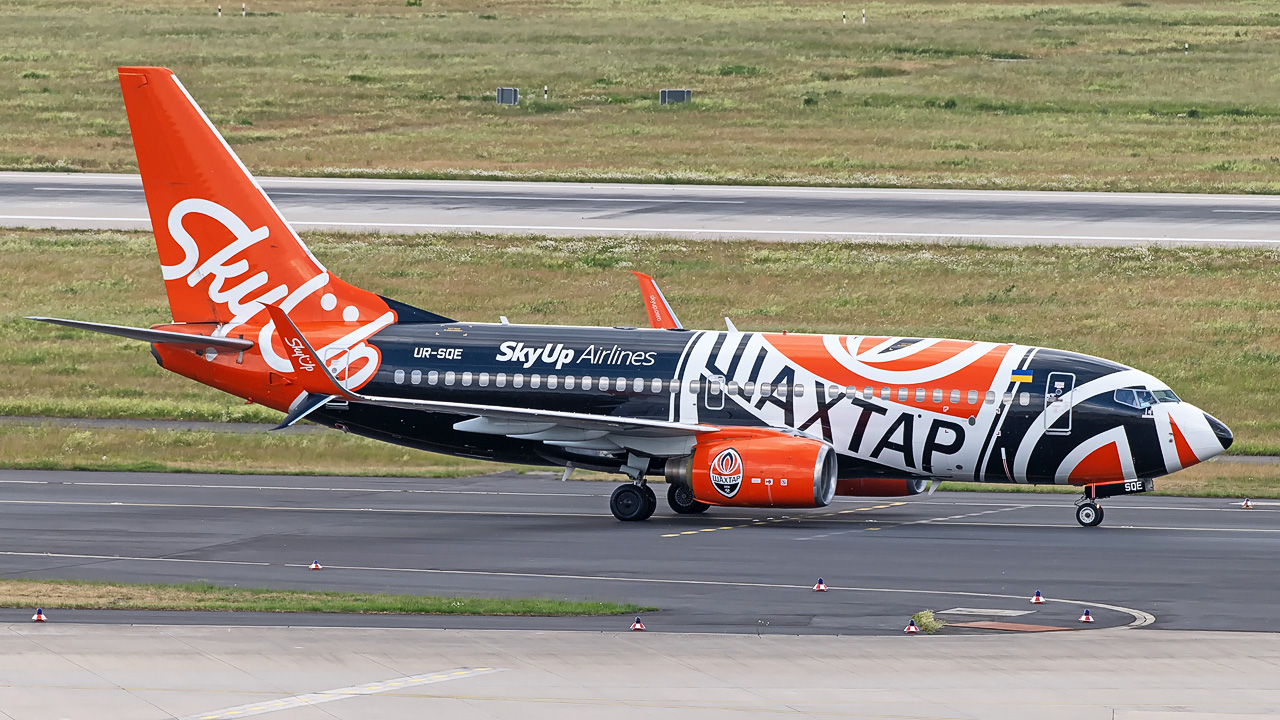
(628, 503)
(650, 502)
(1089, 514)
(681, 499)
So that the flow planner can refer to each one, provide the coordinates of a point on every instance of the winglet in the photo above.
(309, 370)
(660, 313)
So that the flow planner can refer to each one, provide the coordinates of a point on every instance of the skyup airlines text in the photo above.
(560, 355)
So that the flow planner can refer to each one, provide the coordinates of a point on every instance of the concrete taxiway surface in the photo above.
(695, 211)
(215, 673)
(1175, 563)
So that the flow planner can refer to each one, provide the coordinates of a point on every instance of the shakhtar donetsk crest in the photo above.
(726, 472)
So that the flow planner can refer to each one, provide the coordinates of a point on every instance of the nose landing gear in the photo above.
(1089, 513)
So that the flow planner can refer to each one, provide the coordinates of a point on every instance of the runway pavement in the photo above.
(1174, 563)
(216, 673)
(693, 211)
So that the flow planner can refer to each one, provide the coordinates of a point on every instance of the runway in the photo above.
(63, 200)
(1163, 563)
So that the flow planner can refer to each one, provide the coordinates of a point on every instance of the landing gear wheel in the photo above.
(681, 499)
(628, 503)
(1089, 514)
(650, 502)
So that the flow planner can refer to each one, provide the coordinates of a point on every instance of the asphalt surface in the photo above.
(92, 672)
(694, 211)
(1173, 563)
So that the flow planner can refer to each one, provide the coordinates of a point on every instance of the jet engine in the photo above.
(881, 487)
(760, 469)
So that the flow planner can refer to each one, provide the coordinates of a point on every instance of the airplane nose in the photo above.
(1221, 431)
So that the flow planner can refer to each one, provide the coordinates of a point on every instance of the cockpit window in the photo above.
(1142, 398)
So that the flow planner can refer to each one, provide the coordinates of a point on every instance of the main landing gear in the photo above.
(633, 502)
(1089, 513)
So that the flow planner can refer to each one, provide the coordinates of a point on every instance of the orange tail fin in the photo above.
(225, 250)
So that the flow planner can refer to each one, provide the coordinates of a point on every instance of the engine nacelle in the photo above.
(881, 487)
(758, 468)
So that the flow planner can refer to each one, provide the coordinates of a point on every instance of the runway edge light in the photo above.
(1037, 599)
(637, 626)
(1086, 617)
(39, 616)
(820, 587)
(911, 628)
(315, 565)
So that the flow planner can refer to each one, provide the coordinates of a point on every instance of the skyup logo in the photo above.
(517, 352)
(726, 472)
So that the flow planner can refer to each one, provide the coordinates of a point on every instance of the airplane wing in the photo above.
(152, 336)
(584, 431)
(660, 313)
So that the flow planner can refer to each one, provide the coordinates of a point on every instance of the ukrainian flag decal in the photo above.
(1021, 376)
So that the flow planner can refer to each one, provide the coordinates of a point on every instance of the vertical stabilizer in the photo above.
(225, 251)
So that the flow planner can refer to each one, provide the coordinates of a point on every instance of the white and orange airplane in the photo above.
(728, 417)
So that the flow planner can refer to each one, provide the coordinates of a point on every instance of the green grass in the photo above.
(87, 595)
(927, 623)
(998, 94)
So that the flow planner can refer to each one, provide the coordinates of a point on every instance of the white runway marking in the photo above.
(730, 232)
(195, 486)
(73, 556)
(562, 198)
(281, 508)
(1141, 619)
(270, 706)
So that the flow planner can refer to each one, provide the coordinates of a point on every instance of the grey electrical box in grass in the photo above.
(668, 97)
(508, 96)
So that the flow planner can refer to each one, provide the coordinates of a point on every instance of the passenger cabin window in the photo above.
(500, 379)
(399, 377)
(798, 389)
(484, 379)
(903, 394)
(1024, 398)
(535, 381)
(973, 397)
(433, 377)
(415, 377)
(884, 393)
(695, 386)
(449, 378)
(937, 396)
(991, 397)
(517, 380)
(553, 382)
(569, 381)
(766, 389)
(586, 382)
(466, 379)
(955, 397)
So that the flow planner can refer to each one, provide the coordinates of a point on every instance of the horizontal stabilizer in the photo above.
(306, 404)
(152, 336)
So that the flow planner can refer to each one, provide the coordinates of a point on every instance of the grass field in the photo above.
(1173, 95)
(83, 595)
